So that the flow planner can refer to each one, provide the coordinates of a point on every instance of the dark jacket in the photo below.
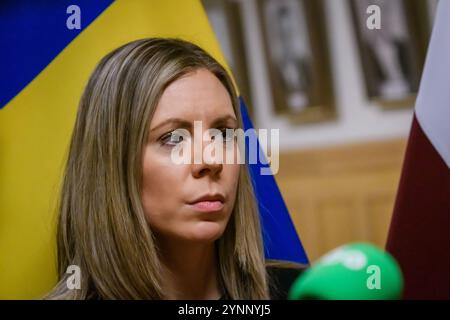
(281, 279)
(281, 276)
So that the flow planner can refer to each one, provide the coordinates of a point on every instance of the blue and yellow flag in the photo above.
(47, 52)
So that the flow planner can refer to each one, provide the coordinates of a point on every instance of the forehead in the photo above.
(196, 96)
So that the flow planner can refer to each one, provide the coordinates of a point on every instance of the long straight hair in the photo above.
(102, 228)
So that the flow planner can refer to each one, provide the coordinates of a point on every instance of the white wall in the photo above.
(358, 119)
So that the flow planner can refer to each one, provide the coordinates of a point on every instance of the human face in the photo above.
(171, 191)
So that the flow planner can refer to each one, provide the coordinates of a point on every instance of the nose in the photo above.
(204, 169)
(209, 165)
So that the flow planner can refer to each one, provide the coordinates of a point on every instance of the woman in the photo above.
(138, 225)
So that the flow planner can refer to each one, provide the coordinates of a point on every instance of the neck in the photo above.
(190, 270)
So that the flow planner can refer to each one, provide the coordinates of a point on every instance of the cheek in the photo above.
(160, 187)
(232, 172)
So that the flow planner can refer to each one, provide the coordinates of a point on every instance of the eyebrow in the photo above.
(182, 123)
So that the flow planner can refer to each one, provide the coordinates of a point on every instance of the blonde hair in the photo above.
(101, 227)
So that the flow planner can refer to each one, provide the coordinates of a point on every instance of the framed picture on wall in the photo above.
(392, 56)
(297, 56)
(432, 8)
(225, 17)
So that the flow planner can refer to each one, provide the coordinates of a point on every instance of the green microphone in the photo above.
(357, 271)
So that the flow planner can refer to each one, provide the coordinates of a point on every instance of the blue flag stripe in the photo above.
(280, 237)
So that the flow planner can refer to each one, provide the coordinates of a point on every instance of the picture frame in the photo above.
(226, 19)
(393, 56)
(297, 55)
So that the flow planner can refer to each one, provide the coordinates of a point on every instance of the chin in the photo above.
(206, 231)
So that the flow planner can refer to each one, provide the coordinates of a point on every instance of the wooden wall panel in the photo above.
(341, 194)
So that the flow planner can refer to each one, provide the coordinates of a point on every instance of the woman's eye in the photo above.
(172, 138)
(227, 134)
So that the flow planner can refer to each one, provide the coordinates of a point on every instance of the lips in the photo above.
(208, 203)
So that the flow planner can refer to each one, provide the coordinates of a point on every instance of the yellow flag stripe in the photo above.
(35, 129)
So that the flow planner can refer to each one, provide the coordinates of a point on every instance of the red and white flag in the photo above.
(419, 235)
